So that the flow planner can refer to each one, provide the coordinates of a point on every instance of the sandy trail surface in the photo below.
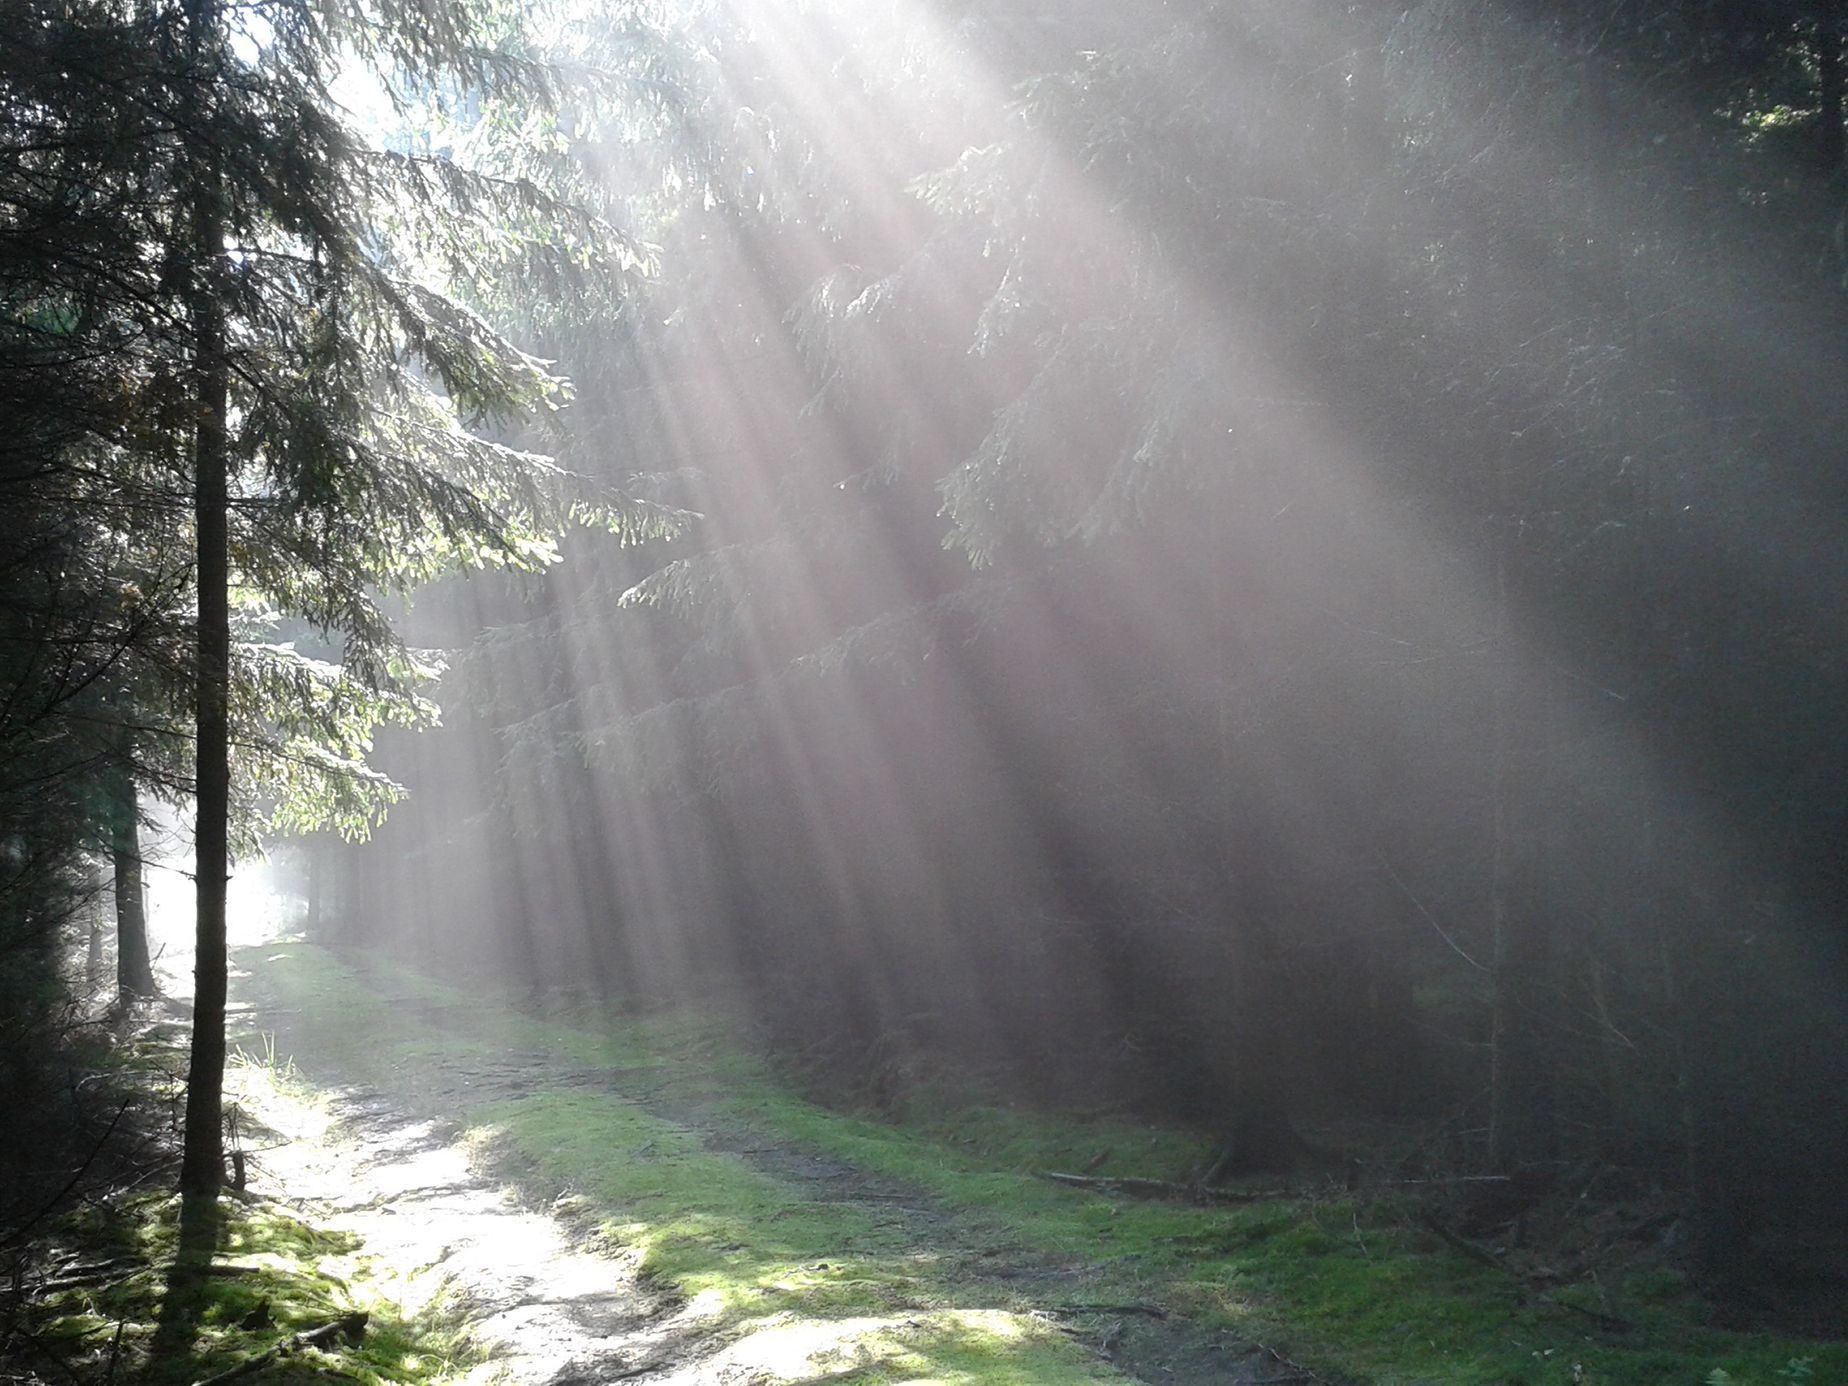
(434, 1227)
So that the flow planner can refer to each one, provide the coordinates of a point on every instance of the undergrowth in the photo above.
(108, 1309)
(93, 1297)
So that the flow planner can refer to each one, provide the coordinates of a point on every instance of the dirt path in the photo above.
(437, 1221)
(434, 1225)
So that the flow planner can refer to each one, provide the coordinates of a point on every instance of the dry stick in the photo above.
(1466, 1246)
(347, 1326)
(1591, 1259)
(69, 1277)
(1359, 1240)
(625, 1373)
(115, 1352)
(51, 1356)
(1609, 1322)
(1153, 1311)
(1451, 1179)
(1292, 1371)
(1487, 1257)
(1162, 1189)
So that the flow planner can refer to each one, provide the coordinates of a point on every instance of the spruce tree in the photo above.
(281, 296)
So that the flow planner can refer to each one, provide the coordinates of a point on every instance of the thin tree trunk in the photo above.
(1522, 1119)
(315, 854)
(1256, 1118)
(1503, 1080)
(134, 970)
(93, 961)
(202, 1161)
(1832, 87)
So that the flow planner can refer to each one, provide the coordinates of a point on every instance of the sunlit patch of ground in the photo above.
(432, 1233)
(949, 1346)
(707, 1274)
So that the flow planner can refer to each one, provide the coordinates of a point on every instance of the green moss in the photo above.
(1351, 1288)
(271, 1283)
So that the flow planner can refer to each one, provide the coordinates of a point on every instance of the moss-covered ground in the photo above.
(921, 1247)
(98, 1300)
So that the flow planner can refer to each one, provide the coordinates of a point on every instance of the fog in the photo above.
(1267, 564)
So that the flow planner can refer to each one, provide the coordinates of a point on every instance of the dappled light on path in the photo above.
(575, 1288)
(438, 1236)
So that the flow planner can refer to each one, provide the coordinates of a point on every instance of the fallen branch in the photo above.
(1578, 1269)
(1473, 1250)
(351, 1327)
(1609, 1322)
(1153, 1311)
(38, 1344)
(1291, 1371)
(1162, 1189)
(115, 1352)
(1529, 1283)
(97, 1272)
(1447, 1179)
(639, 1369)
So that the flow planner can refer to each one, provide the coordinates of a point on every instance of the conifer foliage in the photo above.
(1283, 550)
(247, 401)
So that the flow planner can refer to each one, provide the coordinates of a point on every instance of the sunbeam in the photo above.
(1263, 577)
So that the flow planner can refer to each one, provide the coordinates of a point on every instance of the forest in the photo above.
(968, 690)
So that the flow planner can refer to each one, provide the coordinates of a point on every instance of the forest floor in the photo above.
(801, 1266)
(594, 1199)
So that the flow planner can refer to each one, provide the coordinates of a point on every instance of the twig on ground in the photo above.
(71, 1276)
(1448, 1179)
(38, 1345)
(1473, 1250)
(639, 1369)
(1610, 1322)
(1162, 1189)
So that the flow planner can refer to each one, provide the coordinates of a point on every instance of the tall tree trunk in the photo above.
(315, 857)
(1521, 1110)
(1832, 87)
(93, 960)
(202, 1161)
(1256, 1122)
(134, 970)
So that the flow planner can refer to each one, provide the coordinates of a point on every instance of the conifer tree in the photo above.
(279, 296)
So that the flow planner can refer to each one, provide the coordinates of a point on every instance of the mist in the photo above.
(1270, 565)
(1120, 689)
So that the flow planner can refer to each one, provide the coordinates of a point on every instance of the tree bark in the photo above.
(134, 970)
(315, 855)
(1522, 1119)
(1832, 87)
(202, 1161)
